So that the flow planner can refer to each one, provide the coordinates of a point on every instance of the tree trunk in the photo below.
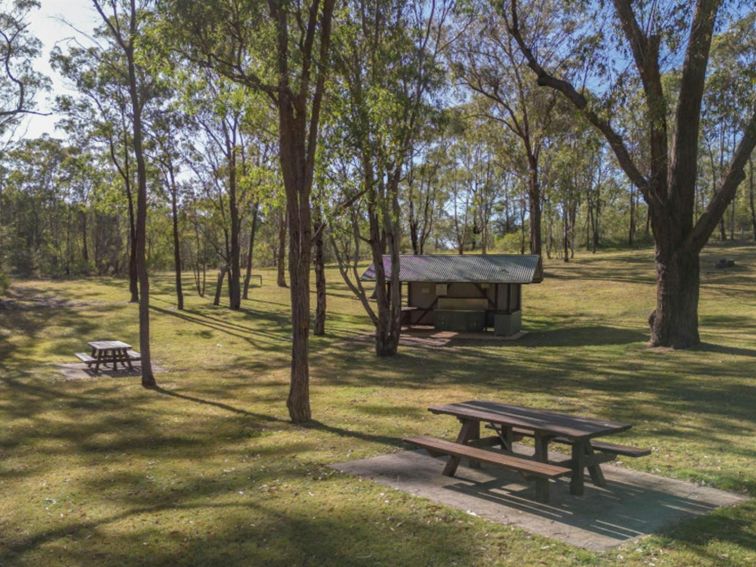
(534, 202)
(133, 276)
(84, 242)
(219, 284)
(281, 257)
(596, 217)
(566, 234)
(751, 197)
(148, 379)
(631, 228)
(522, 228)
(176, 249)
(250, 250)
(234, 273)
(320, 281)
(674, 322)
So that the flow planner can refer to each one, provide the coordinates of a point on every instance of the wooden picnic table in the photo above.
(511, 423)
(109, 352)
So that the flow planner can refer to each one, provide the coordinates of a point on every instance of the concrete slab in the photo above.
(633, 504)
(80, 371)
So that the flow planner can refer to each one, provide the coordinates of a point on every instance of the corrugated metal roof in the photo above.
(477, 268)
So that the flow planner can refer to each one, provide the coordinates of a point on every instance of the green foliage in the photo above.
(19, 81)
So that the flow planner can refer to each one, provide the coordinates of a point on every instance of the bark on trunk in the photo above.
(250, 250)
(320, 281)
(84, 241)
(534, 203)
(566, 236)
(674, 322)
(631, 229)
(751, 197)
(281, 256)
(176, 248)
(133, 275)
(219, 284)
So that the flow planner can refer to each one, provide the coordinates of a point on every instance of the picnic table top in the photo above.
(542, 421)
(109, 345)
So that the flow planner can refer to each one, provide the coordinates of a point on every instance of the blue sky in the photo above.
(48, 25)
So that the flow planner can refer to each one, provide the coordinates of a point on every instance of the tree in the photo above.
(281, 50)
(388, 70)
(123, 23)
(487, 61)
(651, 33)
(19, 82)
(218, 107)
(101, 113)
(165, 129)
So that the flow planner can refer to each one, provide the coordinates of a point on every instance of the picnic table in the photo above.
(109, 352)
(512, 423)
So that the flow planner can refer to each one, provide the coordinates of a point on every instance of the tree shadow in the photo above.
(724, 349)
(219, 405)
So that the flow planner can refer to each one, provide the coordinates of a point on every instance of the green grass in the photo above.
(209, 471)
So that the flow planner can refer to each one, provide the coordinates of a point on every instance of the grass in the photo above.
(208, 470)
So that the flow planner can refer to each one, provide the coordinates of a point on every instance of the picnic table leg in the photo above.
(597, 475)
(506, 436)
(578, 468)
(474, 436)
(97, 361)
(128, 360)
(542, 455)
(470, 430)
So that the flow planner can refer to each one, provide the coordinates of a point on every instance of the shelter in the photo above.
(464, 293)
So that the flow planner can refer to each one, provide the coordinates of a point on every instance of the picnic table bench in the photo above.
(109, 352)
(512, 423)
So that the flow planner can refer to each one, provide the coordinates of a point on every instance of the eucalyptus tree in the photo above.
(165, 129)
(727, 100)
(487, 61)
(658, 37)
(422, 194)
(218, 107)
(280, 49)
(261, 178)
(388, 75)
(19, 81)
(100, 113)
(125, 21)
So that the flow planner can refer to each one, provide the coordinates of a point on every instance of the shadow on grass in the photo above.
(595, 335)
(220, 405)
(724, 349)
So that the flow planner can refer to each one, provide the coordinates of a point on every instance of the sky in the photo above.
(49, 24)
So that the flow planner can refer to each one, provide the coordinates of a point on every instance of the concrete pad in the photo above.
(80, 371)
(633, 504)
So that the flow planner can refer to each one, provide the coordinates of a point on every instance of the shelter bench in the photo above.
(529, 469)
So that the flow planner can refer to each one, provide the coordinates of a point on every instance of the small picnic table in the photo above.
(114, 352)
(512, 423)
